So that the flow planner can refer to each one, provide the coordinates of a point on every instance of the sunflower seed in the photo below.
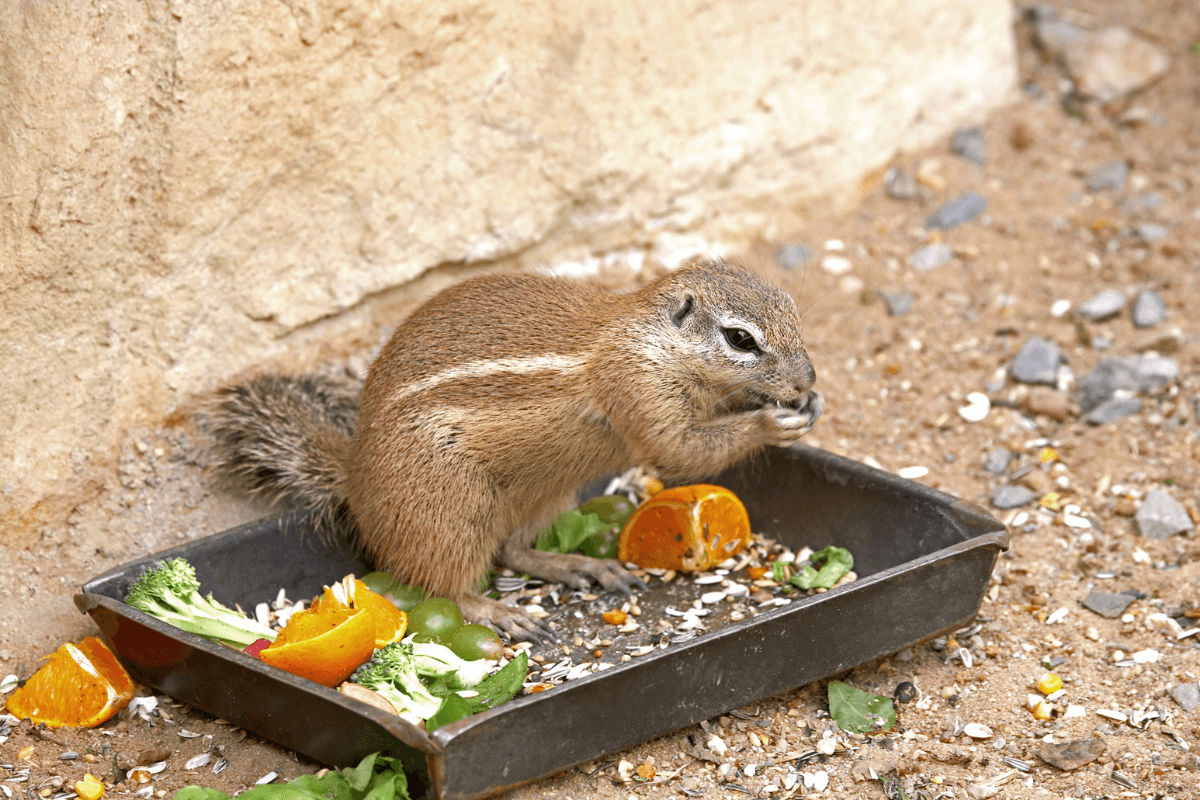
(195, 762)
(186, 734)
(220, 766)
(1017, 764)
(270, 776)
(1122, 780)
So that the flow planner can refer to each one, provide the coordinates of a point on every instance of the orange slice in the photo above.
(687, 528)
(349, 592)
(80, 687)
(323, 646)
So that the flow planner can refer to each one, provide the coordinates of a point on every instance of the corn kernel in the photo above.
(1047, 455)
(89, 788)
(653, 486)
(1049, 683)
(1050, 501)
(615, 617)
(26, 752)
(1043, 710)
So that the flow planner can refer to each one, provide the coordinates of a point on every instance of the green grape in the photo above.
(436, 616)
(472, 642)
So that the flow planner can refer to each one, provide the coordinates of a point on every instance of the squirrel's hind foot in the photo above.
(511, 621)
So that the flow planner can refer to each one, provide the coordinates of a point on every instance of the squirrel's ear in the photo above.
(681, 306)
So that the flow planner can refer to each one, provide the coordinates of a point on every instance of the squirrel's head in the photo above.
(744, 332)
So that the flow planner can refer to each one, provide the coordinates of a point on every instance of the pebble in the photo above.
(997, 460)
(791, 256)
(931, 256)
(1111, 175)
(1148, 309)
(1168, 341)
(1161, 516)
(956, 212)
(1074, 754)
(836, 265)
(1107, 604)
(1150, 231)
(902, 185)
(1051, 403)
(970, 144)
(1037, 362)
(1106, 64)
(1102, 306)
(1113, 410)
(1187, 695)
(906, 692)
(898, 303)
(1006, 497)
(1139, 205)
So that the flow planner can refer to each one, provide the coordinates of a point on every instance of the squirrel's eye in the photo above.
(741, 340)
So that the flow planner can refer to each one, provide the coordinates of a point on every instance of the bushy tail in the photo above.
(287, 440)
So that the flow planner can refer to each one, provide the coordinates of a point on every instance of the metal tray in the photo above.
(923, 560)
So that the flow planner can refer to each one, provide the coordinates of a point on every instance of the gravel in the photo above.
(956, 212)
(931, 256)
(898, 303)
(1148, 309)
(1102, 306)
(971, 145)
(1107, 604)
(1109, 176)
(1037, 362)
(1006, 497)
(1187, 695)
(791, 256)
(1160, 516)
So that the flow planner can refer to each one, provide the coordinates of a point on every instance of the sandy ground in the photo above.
(894, 386)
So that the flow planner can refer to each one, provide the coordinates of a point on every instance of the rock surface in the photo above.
(190, 191)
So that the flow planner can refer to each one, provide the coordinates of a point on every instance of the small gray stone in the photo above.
(956, 212)
(898, 303)
(1110, 63)
(1117, 408)
(1072, 755)
(902, 185)
(1102, 306)
(1152, 372)
(1107, 176)
(791, 256)
(1187, 695)
(1160, 516)
(1037, 362)
(1006, 497)
(1053, 35)
(1150, 231)
(931, 256)
(1107, 604)
(970, 144)
(1102, 383)
(1148, 309)
(1142, 204)
(997, 460)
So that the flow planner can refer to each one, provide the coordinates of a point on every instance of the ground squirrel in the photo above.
(495, 401)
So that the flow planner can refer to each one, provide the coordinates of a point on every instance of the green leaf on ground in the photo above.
(377, 777)
(857, 711)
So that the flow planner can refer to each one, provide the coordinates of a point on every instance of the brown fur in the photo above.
(501, 396)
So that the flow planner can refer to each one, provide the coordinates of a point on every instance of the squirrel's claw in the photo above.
(506, 620)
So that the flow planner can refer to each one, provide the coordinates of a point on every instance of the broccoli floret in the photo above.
(440, 661)
(169, 591)
(392, 673)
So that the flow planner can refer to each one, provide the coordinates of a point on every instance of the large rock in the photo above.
(193, 188)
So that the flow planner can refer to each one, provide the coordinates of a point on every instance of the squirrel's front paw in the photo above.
(785, 424)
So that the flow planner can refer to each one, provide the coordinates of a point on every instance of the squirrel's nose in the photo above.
(806, 378)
